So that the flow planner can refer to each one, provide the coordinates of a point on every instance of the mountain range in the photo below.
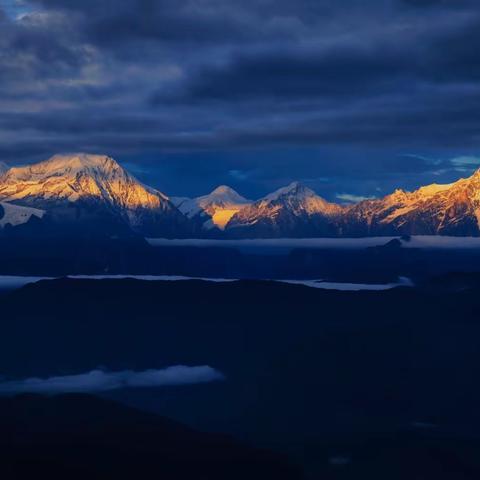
(92, 194)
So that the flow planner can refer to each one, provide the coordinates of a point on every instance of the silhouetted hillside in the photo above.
(312, 373)
(84, 437)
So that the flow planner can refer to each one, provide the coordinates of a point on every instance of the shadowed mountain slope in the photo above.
(79, 437)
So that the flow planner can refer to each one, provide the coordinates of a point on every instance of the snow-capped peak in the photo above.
(76, 177)
(68, 166)
(79, 161)
(222, 195)
(285, 209)
(226, 194)
(220, 205)
(299, 198)
(98, 187)
(433, 189)
(296, 189)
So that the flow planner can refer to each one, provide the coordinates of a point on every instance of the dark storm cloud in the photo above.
(114, 24)
(298, 74)
(196, 82)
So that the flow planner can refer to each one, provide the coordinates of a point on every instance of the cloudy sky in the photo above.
(352, 97)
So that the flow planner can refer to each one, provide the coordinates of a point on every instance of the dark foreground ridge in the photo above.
(84, 437)
(385, 263)
(351, 385)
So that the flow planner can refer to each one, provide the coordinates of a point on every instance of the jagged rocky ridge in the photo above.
(294, 210)
(297, 211)
(94, 193)
(452, 209)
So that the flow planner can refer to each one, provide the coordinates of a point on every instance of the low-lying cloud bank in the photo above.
(104, 381)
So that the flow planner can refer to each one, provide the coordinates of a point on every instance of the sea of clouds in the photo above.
(104, 381)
